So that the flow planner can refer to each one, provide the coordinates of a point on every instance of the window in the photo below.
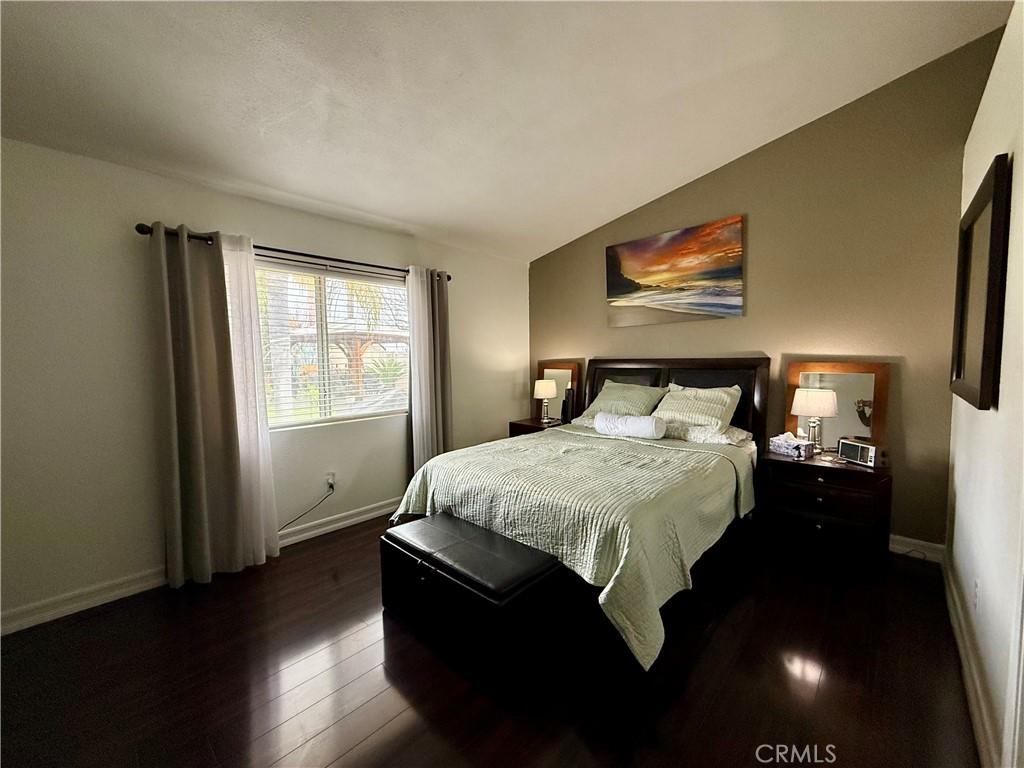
(334, 347)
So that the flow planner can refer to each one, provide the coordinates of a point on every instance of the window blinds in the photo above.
(334, 345)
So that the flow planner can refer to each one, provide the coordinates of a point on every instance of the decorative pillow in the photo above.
(731, 436)
(695, 407)
(647, 427)
(622, 400)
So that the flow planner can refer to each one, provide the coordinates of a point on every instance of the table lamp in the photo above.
(544, 389)
(815, 404)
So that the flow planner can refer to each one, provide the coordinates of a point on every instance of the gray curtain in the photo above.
(218, 517)
(431, 377)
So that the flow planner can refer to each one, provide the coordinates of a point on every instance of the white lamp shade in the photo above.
(545, 389)
(814, 402)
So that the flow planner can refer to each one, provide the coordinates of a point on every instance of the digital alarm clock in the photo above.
(858, 451)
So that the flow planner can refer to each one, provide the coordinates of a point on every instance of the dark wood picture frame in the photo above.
(880, 398)
(974, 370)
(573, 364)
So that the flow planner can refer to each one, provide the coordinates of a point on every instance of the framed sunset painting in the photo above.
(686, 274)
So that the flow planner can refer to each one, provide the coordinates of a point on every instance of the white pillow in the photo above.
(694, 407)
(622, 400)
(731, 436)
(647, 427)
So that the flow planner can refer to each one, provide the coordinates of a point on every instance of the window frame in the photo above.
(323, 271)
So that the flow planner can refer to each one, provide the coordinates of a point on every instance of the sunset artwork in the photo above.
(685, 274)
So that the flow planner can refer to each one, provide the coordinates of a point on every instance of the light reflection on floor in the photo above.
(805, 674)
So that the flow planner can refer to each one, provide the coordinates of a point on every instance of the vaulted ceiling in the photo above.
(506, 128)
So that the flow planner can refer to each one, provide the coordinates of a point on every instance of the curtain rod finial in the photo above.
(144, 229)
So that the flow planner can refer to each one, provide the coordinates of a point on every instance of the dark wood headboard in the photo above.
(750, 373)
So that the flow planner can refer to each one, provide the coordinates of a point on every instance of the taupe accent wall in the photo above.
(851, 228)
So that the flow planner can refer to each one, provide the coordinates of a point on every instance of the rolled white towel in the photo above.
(649, 427)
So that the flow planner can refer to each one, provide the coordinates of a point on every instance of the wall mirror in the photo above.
(981, 290)
(862, 399)
(562, 372)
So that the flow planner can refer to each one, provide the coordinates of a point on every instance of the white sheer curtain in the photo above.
(221, 515)
(431, 378)
(258, 502)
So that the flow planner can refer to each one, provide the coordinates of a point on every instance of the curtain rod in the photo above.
(146, 229)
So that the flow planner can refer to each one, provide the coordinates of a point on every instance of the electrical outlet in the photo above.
(330, 481)
(974, 597)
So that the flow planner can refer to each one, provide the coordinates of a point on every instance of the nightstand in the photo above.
(526, 426)
(843, 505)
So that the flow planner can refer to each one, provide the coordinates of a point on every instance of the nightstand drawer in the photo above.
(529, 426)
(827, 536)
(827, 500)
(842, 476)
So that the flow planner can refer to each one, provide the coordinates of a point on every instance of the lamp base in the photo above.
(545, 419)
(814, 433)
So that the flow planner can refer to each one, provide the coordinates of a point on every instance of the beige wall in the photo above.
(987, 448)
(850, 253)
(83, 428)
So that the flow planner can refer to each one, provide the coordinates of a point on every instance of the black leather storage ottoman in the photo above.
(454, 577)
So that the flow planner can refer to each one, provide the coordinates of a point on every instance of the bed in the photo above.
(629, 516)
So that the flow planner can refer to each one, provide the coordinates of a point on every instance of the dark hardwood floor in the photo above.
(293, 664)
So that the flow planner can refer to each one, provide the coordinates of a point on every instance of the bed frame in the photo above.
(750, 373)
(410, 578)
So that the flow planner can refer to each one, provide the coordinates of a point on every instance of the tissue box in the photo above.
(798, 449)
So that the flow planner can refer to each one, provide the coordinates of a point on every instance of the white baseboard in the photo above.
(335, 522)
(78, 600)
(929, 550)
(986, 732)
(52, 608)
